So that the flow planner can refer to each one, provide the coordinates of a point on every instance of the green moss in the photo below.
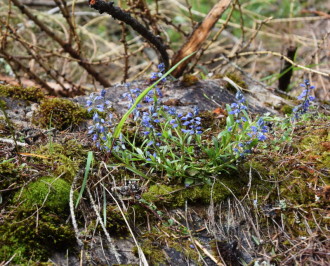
(186, 247)
(317, 143)
(3, 104)
(115, 221)
(152, 250)
(64, 159)
(257, 167)
(8, 174)
(286, 109)
(154, 241)
(175, 196)
(294, 172)
(33, 238)
(32, 94)
(215, 120)
(4, 129)
(236, 78)
(38, 226)
(48, 192)
(189, 80)
(60, 114)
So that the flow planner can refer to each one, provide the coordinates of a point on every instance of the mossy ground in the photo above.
(35, 201)
(287, 185)
(60, 114)
(65, 159)
(176, 196)
(8, 174)
(37, 226)
(294, 182)
(34, 236)
(49, 192)
(32, 94)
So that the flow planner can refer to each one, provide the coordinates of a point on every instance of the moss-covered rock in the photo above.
(236, 78)
(33, 236)
(32, 94)
(48, 192)
(37, 226)
(175, 196)
(115, 221)
(189, 80)
(64, 159)
(153, 252)
(59, 113)
(299, 172)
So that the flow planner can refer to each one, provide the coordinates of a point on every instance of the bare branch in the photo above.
(117, 13)
(198, 36)
(65, 45)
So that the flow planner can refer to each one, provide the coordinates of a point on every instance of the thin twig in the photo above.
(73, 216)
(112, 246)
(283, 57)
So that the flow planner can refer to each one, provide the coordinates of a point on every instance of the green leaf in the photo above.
(188, 181)
(256, 240)
(192, 172)
(139, 151)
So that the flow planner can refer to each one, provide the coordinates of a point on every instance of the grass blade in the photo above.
(87, 169)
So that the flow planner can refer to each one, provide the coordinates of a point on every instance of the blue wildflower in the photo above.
(238, 108)
(305, 96)
(161, 67)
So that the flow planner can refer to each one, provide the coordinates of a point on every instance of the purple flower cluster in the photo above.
(238, 108)
(259, 130)
(150, 119)
(156, 75)
(256, 134)
(155, 120)
(191, 123)
(148, 100)
(101, 125)
(150, 115)
(99, 100)
(243, 148)
(306, 98)
(131, 96)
